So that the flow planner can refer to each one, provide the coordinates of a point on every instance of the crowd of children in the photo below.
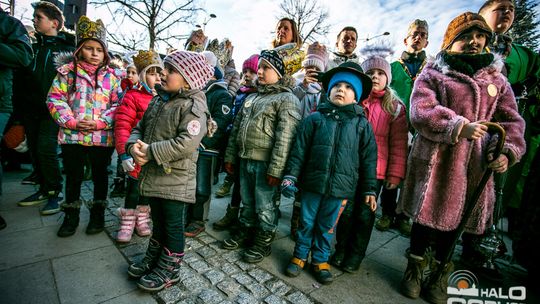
(326, 129)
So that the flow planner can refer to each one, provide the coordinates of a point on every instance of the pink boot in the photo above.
(143, 218)
(127, 223)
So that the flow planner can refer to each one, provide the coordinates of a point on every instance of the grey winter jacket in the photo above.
(265, 127)
(173, 127)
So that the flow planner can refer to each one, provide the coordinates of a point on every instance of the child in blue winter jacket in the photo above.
(333, 159)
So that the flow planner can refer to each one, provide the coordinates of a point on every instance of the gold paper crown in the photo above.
(223, 50)
(145, 59)
(196, 41)
(87, 29)
(292, 57)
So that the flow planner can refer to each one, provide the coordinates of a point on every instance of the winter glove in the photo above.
(127, 163)
(288, 186)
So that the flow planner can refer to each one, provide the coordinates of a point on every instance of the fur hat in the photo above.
(316, 56)
(461, 24)
(416, 24)
(192, 66)
(87, 29)
(274, 59)
(377, 62)
(348, 69)
(145, 60)
(251, 63)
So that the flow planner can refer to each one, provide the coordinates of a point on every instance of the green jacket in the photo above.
(265, 127)
(15, 52)
(523, 65)
(402, 84)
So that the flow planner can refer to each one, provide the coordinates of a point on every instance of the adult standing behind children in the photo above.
(82, 101)
(333, 160)
(136, 213)
(41, 130)
(261, 138)
(454, 94)
(165, 143)
(345, 44)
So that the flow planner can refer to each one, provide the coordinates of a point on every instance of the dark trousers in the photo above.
(389, 203)
(205, 176)
(74, 159)
(168, 218)
(235, 196)
(42, 140)
(133, 199)
(423, 237)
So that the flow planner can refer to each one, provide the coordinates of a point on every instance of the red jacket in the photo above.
(128, 114)
(391, 136)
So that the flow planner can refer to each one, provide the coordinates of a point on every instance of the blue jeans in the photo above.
(319, 216)
(258, 207)
(168, 220)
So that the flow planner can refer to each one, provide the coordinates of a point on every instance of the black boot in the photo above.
(411, 284)
(137, 270)
(71, 219)
(229, 220)
(97, 217)
(435, 290)
(119, 187)
(240, 237)
(262, 247)
(166, 273)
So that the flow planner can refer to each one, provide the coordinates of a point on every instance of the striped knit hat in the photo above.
(192, 66)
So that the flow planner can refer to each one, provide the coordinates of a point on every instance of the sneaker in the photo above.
(322, 273)
(34, 199)
(31, 179)
(404, 226)
(225, 189)
(384, 223)
(194, 229)
(53, 205)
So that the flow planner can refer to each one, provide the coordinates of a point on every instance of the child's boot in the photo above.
(71, 219)
(143, 219)
(262, 247)
(411, 284)
(97, 216)
(230, 219)
(241, 237)
(322, 273)
(137, 270)
(166, 273)
(295, 267)
(435, 290)
(127, 224)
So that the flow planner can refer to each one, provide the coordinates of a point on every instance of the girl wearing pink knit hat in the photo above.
(165, 144)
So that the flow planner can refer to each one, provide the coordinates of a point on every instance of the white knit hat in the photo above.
(192, 66)
(377, 62)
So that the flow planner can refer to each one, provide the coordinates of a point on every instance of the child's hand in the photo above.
(389, 185)
(310, 76)
(473, 131)
(143, 146)
(140, 158)
(87, 125)
(273, 181)
(371, 201)
(500, 165)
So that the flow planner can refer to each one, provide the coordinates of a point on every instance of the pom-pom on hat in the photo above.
(251, 63)
(274, 59)
(377, 62)
(353, 70)
(316, 56)
(463, 23)
(192, 66)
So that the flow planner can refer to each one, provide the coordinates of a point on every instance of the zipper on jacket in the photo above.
(333, 160)
(35, 60)
(244, 135)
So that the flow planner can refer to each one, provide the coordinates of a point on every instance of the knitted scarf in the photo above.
(467, 64)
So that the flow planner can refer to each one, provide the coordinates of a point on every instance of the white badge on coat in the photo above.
(248, 103)
(492, 90)
(194, 127)
(225, 109)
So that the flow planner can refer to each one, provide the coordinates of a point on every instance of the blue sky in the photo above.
(249, 24)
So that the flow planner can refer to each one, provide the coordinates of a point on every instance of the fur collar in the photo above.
(438, 63)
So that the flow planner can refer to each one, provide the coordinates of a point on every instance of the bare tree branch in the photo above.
(310, 16)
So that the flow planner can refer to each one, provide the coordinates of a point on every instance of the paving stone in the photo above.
(192, 244)
(206, 252)
(242, 278)
(186, 273)
(257, 290)
(191, 257)
(195, 283)
(230, 287)
(230, 268)
(170, 295)
(299, 298)
(200, 266)
(215, 261)
(191, 300)
(244, 266)
(273, 299)
(133, 250)
(260, 275)
(277, 286)
(245, 298)
(214, 276)
(216, 245)
(232, 256)
(209, 296)
(205, 238)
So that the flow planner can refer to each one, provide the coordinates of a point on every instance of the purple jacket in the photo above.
(443, 169)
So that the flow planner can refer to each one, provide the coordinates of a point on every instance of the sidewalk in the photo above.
(38, 267)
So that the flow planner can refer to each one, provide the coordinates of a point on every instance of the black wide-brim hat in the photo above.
(351, 67)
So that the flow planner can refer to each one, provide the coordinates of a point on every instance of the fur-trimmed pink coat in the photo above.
(443, 169)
